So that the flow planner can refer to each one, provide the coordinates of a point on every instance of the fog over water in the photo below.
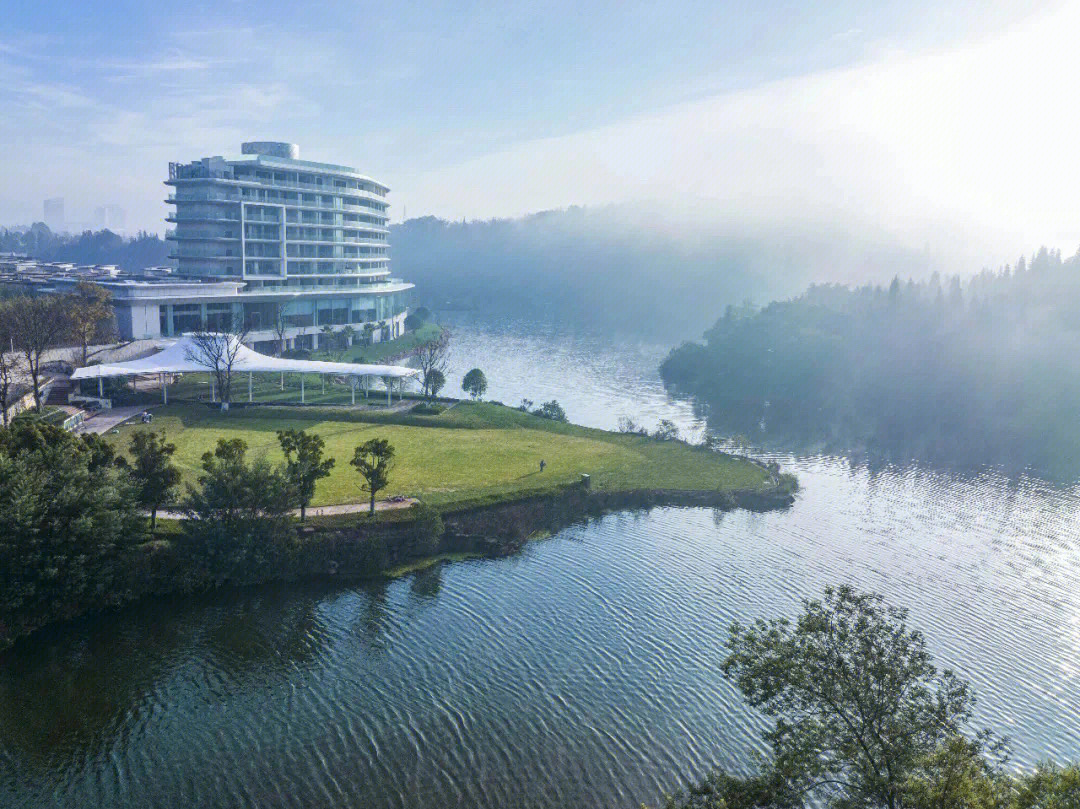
(584, 671)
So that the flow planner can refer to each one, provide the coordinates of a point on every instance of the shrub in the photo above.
(427, 530)
(551, 410)
(666, 431)
(427, 409)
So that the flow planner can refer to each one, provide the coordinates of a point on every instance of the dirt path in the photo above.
(319, 511)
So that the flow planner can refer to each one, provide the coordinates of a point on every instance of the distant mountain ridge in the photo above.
(650, 269)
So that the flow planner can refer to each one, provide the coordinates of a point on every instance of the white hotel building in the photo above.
(269, 228)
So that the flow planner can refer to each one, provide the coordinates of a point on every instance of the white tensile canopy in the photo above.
(187, 356)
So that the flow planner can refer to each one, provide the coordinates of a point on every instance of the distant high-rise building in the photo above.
(112, 217)
(54, 214)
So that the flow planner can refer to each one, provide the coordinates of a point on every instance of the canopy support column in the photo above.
(301, 388)
(352, 390)
(164, 389)
(388, 392)
(249, 387)
(100, 388)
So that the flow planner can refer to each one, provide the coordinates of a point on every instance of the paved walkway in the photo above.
(104, 420)
(321, 511)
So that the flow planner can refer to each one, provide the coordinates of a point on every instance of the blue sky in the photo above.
(465, 110)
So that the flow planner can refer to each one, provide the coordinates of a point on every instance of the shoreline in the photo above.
(411, 538)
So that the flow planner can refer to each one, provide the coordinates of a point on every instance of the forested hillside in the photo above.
(644, 269)
(982, 371)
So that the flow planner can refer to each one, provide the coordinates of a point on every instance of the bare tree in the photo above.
(90, 315)
(432, 356)
(218, 352)
(37, 325)
(280, 325)
(10, 362)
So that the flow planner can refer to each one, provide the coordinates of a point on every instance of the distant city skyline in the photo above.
(921, 117)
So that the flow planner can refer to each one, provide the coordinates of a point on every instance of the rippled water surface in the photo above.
(583, 672)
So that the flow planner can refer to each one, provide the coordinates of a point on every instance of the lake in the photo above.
(582, 672)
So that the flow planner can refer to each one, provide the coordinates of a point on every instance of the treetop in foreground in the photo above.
(864, 720)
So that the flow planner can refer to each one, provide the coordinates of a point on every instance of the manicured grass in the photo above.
(472, 452)
(392, 348)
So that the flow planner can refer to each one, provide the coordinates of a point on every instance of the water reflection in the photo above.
(581, 672)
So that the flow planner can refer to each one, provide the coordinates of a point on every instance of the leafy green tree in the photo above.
(237, 526)
(66, 523)
(435, 383)
(1049, 787)
(857, 702)
(153, 471)
(958, 776)
(373, 460)
(304, 464)
(475, 383)
(347, 334)
(551, 410)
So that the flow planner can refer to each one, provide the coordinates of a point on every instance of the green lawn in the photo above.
(378, 352)
(471, 452)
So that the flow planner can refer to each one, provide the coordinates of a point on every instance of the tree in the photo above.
(347, 335)
(10, 362)
(475, 383)
(436, 382)
(373, 460)
(666, 431)
(958, 776)
(328, 339)
(551, 410)
(432, 356)
(367, 333)
(280, 325)
(66, 523)
(218, 352)
(156, 476)
(237, 526)
(37, 324)
(857, 702)
(304, 464)
(90, 315)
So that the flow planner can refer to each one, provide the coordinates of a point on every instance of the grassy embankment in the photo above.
(473, 453)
